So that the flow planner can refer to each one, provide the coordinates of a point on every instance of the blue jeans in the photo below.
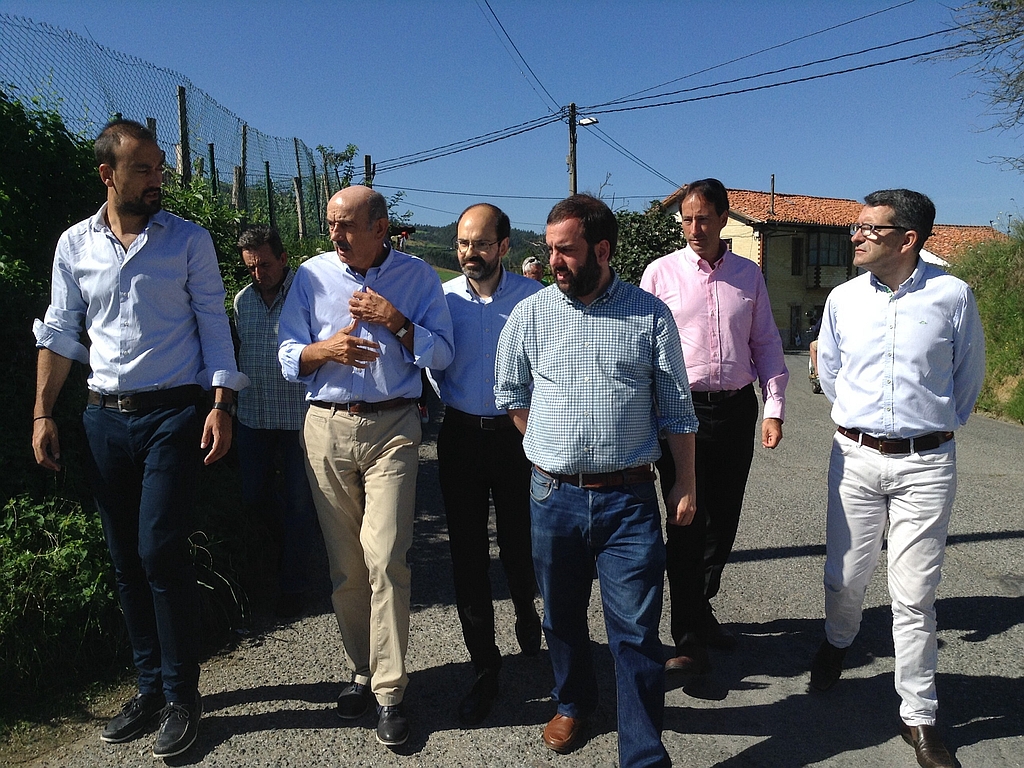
(618, 529)
(143, 469)
(294, 515)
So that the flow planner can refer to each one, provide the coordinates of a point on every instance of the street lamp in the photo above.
(572, 144)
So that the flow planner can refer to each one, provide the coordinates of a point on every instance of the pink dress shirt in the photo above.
(725, 324)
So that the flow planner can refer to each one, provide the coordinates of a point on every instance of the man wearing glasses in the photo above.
(901, 356)
(480, 454)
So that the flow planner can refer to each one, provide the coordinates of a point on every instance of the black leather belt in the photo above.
(632, 476)
(714, 397)
(484, 423)
(907, 445)
(359, 406)
(132, 402)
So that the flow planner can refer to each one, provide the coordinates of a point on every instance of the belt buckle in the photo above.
(127, 404)
(488, 424)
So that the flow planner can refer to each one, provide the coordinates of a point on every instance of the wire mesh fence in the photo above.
(88, 84)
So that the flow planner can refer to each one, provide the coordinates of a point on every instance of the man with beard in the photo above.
(607, 374)
(480, 454)
(146, 287)
(359, 325)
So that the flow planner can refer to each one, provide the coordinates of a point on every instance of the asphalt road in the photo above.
(269, 701)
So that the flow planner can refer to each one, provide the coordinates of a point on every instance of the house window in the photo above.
(797, 259)
(828, 249)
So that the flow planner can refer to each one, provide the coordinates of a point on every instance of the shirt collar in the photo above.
(911, 283)
(698, 263)
(470, 291)
(607, 295)
(98, 223)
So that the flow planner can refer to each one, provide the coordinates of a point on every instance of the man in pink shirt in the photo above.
(729, 338)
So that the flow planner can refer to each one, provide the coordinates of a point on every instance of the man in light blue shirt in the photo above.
(270, 416)
(358, 327)
(146, 288)
(480, 454)
(901, 355)
(607, 374)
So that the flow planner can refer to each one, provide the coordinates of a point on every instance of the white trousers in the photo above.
(914, 494)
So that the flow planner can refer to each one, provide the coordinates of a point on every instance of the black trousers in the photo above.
(697, 553)
(474, 465)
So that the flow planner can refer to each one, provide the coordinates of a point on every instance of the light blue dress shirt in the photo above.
(317, 308)
(905, 363)
(154, 313)
(606, 378)
(468, 383)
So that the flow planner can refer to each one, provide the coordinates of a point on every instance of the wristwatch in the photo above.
(231, 408)
(400, 333)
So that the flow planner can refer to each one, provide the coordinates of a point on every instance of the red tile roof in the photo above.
(947, 240)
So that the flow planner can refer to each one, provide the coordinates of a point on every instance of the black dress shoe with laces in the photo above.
(827, 666)
(135, 716)
(179, 726)
(477, 703)
(353, 701)
(931, 752)
(392, 725)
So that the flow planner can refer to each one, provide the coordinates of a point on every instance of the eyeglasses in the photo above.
(473, 245)
(872, 231)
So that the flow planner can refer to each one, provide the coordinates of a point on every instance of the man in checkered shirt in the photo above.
(606, 369)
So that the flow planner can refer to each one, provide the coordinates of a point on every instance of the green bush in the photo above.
(59, 620)
(644, 237)
(995, 271)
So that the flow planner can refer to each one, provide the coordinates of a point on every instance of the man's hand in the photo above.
(345, 348)
(771, 432)
(681, 504)
(216, 430)
(371, 307)
(45, 444)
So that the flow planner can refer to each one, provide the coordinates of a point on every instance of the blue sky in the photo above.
(399, 76)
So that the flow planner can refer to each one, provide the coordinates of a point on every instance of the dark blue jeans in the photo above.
(618, 529)
(143, 469)
(294, 515)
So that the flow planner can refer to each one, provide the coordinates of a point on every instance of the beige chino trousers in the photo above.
(362, 471)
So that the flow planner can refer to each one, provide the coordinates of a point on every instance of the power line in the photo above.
(521, 58)
(487, 195)
(790, 68)
(604, 137)
(784, 82)
(763, 50)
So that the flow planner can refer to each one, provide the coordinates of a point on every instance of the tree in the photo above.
(643, 237)
(993, 31)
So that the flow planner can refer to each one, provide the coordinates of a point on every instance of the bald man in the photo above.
(480, 454)
(359, 325)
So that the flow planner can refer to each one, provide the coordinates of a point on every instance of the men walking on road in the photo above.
(901, 356)
(358, 327)
(607, 374)
(480, 454)
(270, 416)
(729, 339)
(145, 286)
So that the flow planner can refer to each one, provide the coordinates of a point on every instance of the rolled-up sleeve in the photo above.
(768, 356)
(294, 332)
(671, 384)
(60, 330)
(512, 375)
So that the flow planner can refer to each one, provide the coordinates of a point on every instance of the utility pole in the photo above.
(572, 148)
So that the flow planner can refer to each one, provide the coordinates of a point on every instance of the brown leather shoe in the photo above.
(691, 658)
(562, 733)
(931, 752)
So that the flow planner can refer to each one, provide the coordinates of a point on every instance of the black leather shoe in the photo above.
(392, 725)
(179, 726)
(528, 633)
(135, 716)
(477, 704)
(719, 637)
(827, 666)
(353, 701)
(931, 752)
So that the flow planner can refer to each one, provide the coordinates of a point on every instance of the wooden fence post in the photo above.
(300, 208)
(214, 181)
(184, 158)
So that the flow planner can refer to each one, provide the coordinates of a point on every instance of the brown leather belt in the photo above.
(358, 407)
(484, 423)
(632, 476)
(907, 445)
(132, 402)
